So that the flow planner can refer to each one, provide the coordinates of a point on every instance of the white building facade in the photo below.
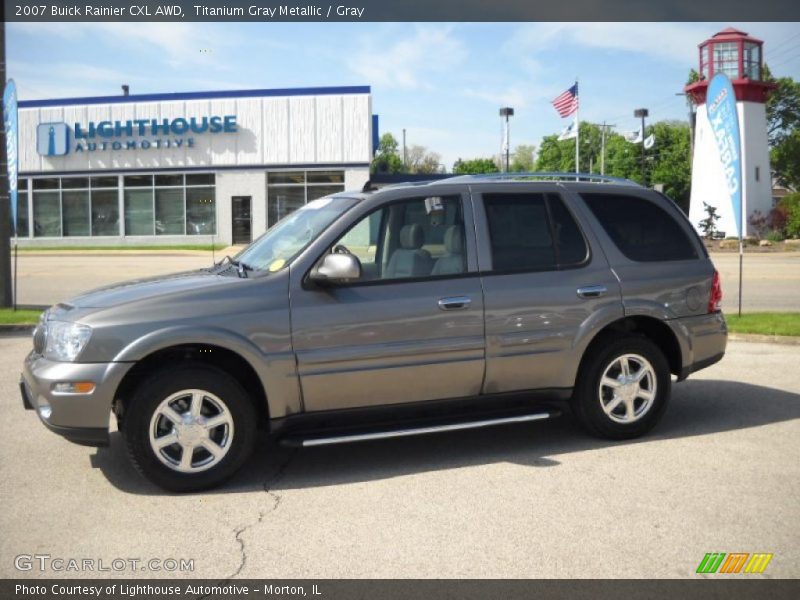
(191, 168)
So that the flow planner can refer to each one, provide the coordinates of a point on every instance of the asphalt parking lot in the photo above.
(721, 473)
(771, 280)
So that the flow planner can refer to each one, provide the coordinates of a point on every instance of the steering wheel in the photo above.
(341, 249)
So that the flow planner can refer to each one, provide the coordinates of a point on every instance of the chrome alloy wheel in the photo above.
(191, 431)
(627, 388)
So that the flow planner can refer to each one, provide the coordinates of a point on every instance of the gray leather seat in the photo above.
(453, 261)
(409, 260)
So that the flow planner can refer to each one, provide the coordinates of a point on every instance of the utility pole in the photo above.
(5, 201)
(642, 113)
(507, 112)
(603, 146)
(405, 156)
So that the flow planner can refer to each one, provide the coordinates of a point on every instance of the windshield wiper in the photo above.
(241, 268)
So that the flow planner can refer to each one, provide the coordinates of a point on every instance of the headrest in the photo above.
(412, 237)
(454, 240)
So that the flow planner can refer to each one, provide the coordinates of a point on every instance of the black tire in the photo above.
(161, 385)
(586, 401)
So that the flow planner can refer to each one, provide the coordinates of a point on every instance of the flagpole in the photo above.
(577, 128)
(741, 253)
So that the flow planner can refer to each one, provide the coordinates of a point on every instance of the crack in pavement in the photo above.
(269, 483)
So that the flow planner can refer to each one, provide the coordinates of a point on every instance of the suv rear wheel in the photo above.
(623, 388)
(189, 428)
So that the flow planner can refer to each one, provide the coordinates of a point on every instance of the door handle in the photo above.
(592, 291)
(455, 303)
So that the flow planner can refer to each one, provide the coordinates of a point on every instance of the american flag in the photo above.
(567, 103)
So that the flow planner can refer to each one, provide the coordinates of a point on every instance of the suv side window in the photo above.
(532, 232)
(409, 239)
(642, 230)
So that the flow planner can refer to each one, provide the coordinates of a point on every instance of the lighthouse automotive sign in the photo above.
(58, 139)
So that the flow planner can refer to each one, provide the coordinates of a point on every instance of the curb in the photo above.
(786, 340)
(15, 328)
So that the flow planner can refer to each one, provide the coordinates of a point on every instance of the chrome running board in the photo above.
(394, 433)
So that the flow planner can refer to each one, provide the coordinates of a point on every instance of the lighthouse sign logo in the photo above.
(52, 139)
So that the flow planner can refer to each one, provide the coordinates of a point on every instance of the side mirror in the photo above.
(336, 269)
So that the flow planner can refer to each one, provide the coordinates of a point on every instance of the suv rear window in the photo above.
(532, 232)
(642, 230)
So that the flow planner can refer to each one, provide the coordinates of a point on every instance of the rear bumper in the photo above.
(80, 418)
(705, 338)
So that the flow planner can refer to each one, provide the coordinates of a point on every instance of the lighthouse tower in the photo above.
(741, 58)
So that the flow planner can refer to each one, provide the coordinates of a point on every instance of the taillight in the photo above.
(716, 294)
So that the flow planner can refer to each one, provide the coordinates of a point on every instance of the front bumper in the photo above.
(80, 418)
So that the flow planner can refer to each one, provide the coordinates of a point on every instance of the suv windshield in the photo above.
(290, 236)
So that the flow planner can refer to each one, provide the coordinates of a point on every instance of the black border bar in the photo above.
(711, 588)
(401, 10)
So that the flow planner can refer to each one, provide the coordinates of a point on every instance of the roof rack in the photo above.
(547, 175)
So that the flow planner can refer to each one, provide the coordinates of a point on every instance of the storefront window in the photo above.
(169, 211)
(46, 213)
(200, 211)
(105, 212)
(22, 209)
(284, 200)
(289, 190)
(162, 204)
(75, 213)
(139, 212)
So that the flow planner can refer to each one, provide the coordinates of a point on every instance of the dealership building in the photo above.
(186, 168)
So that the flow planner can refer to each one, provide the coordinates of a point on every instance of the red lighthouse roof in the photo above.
(740, 56)
(730, 34)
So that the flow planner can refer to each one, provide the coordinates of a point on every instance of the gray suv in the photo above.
(466, 302)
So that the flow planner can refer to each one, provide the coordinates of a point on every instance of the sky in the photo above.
(443, 83)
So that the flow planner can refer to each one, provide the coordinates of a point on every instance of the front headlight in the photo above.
(66, 340)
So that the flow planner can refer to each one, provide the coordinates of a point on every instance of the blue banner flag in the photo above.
(721, 105)
(10, 121)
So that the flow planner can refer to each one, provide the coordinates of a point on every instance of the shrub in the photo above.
(775, 235)
(791, 204)
(758, 221)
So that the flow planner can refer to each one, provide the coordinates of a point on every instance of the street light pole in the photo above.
(507, 112)
(642, 113)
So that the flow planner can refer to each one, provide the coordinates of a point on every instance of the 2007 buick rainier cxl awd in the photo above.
(466, 302)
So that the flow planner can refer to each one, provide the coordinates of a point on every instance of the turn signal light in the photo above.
(74, 387)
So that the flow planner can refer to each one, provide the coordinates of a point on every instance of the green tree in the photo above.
(785, 160)
(421, 160)
(783, 129)
(709, 225)
(522, 158)
(387, 160)
(474, 166)
(555, 155)
(671, 158)
(791, 205)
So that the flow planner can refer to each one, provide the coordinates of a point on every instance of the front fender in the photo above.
(277, 373)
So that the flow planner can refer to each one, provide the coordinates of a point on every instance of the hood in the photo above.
(150, 288)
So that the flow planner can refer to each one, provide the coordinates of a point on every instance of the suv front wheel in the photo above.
(189, 428)
(623, 388)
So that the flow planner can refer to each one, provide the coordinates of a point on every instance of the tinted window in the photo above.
(570, 245)
(519, 232)
(641, 230)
